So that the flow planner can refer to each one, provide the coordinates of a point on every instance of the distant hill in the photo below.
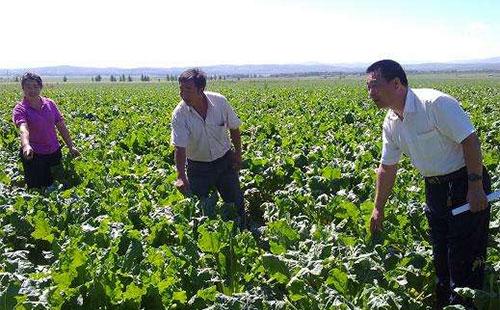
(482, 65)
(212, 70)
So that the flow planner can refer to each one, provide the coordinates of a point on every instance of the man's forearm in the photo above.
(180, 161)
(236, 139)
(386, 175)
(472, 155)
(474, 163)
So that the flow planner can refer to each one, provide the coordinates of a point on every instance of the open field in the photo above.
(116, 234)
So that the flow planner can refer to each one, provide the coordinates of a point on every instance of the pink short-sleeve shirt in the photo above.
(41, 124)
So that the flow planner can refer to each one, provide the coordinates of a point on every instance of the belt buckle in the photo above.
(433, 180)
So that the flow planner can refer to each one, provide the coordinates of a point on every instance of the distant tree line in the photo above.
(213, 77)
(216, 77)
(147, 78)
(119, 78)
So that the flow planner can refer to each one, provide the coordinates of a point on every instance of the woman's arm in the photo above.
(25, 141)
(63, 130)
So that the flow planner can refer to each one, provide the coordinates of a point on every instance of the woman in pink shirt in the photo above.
(37, 118)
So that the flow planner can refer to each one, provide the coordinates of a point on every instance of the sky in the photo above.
(156, 33)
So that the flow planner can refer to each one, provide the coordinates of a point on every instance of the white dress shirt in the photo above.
(431, 132)
(204, 139)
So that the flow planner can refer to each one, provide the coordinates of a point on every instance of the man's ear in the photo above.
(397, 83)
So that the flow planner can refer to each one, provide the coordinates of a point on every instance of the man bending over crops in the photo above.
(200, 125)
(432, 129)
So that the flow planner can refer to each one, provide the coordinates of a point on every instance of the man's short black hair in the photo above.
(31, 76)
(389, 69)
(197, 75)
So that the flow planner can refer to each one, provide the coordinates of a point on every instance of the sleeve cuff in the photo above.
(178, 144)
(465, 134)
(389, 161)
(19, 122)
(234, 126)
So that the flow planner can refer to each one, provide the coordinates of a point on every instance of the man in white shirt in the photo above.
(200, 125)
(432, 129)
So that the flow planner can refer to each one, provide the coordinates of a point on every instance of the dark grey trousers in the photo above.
(37, 171)
(459, 242)
(216, 175)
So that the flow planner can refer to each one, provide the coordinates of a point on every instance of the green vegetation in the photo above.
(116, 234)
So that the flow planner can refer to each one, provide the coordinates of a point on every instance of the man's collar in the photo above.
(209, 103)
(409, 102)
(409, 105)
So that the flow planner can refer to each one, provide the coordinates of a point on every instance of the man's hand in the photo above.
(386, 175)
(74, 151)
(28, 152)
(236, 154)
(473, 160)
(477, 197)
(182, 184)
(376, 221)
(236, 160)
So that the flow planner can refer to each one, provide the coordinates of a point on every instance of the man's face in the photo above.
(380, 90)
(31, 89)
(189, 92)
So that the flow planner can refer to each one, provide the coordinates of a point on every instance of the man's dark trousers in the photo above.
(218, 174)
(459, 242)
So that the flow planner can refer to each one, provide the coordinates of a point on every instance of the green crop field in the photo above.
(116, 233)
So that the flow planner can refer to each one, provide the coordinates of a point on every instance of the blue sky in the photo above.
(133, 33)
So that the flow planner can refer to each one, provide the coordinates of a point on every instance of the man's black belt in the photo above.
(441, 179)
(215, 161)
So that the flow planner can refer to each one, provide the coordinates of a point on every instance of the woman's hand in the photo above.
(28, 152)
(74, 151)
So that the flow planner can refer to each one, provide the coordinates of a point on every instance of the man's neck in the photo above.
(200, 102)
(200, 105)
(399, 107)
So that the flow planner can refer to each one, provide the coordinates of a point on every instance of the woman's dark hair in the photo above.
(389, 69)
(197, 75)
(31, 76)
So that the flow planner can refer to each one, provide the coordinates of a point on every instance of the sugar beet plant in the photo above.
(116, 234)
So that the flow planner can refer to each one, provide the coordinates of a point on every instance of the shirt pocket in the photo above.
(217, 132)
(428, 145)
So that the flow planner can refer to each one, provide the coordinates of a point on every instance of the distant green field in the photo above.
(116, 234)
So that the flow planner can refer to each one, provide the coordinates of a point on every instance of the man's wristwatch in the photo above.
(473, 177)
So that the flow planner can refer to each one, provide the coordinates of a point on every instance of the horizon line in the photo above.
(305, 63)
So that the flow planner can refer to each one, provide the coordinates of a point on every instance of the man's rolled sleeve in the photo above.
(451, 119)
(391, 153)
(233, 122)
(179, 133)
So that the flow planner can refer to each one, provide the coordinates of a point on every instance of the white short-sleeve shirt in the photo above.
(431, 132)
(204, 139)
